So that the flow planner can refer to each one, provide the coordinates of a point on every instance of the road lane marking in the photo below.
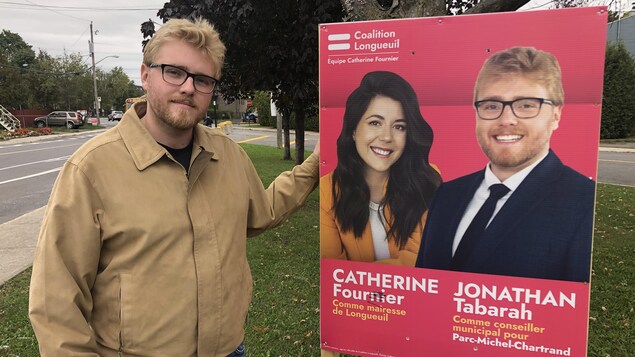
(30, 176)
(253, 139)
(290, 143)
(61, 158)
(620, 161)
(23, 151)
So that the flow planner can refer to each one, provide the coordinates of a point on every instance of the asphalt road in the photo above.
(28, 171)
(617, 168)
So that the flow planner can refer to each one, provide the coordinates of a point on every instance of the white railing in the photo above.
(7, 120)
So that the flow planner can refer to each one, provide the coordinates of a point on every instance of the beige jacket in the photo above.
(135, 256)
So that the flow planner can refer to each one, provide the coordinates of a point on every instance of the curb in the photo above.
(616, 149)
(31, 139)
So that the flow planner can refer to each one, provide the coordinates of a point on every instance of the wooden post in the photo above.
(326, 353)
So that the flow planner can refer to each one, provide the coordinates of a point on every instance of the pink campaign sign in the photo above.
(418, 117)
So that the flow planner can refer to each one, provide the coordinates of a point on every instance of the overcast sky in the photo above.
(63, 26)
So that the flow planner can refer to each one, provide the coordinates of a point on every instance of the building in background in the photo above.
(623, 30)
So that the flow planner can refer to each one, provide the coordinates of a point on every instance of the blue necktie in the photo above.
(477, 227)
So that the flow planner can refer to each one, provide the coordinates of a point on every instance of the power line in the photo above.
(59, 13)
(34, 6)
(80, 37)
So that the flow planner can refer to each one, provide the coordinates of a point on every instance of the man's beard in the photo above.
(180, 120)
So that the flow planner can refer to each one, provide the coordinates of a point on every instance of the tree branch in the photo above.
(486, 6)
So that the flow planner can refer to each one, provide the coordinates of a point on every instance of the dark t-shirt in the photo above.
(182, 156)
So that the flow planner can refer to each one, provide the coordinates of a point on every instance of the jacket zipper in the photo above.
(120, 352)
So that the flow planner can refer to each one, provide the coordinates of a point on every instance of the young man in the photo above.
(142, 250)
(543, 216)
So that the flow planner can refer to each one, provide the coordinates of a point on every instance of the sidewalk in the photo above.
(31, 139)
(617, 147)
(18, 237)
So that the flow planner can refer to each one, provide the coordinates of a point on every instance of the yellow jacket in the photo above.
(336, 244)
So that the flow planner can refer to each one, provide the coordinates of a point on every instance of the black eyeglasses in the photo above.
(177, 76)
(523, 108)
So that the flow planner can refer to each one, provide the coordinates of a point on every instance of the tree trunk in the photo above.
(300, 115)
(279, 129)
(486, 6)
(372, 10)
(285, 128)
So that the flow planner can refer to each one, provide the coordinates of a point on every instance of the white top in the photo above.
(378, 229)
(482, 193)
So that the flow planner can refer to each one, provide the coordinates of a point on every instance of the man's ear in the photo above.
(144, 76)
(557, 112)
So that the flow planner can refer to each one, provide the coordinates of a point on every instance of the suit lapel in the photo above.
(455, 210)
(519, 208)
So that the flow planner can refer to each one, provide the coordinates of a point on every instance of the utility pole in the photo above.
(91, 47)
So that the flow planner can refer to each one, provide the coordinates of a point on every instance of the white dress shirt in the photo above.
(482, 193)
(378, 230)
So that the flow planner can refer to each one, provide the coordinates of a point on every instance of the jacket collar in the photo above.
(144, 150)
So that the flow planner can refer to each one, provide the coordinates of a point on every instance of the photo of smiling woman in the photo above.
(374, 204)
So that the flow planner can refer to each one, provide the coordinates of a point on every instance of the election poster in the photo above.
(458, 176)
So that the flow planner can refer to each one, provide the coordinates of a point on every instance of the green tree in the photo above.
(15, 57)
(618, 102)
(45, 82)
(15, 50)
(43, 87)
(71, 73)
(9, 96)
(117, 87)
(262, 103)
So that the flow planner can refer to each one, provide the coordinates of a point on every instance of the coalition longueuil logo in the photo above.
(374, 45)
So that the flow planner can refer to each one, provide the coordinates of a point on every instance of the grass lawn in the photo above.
(612, 315)
(630, 139)
(284, 316)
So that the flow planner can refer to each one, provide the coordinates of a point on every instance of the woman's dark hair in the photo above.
(412, 181)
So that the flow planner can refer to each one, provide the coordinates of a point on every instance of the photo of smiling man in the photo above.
(525, 214)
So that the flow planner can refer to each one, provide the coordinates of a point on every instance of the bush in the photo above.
(262, 104)
(618, 103)
(310, 123)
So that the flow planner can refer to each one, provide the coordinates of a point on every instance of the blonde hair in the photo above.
(539, 66)
(199, 33)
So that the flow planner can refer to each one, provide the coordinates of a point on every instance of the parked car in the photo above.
(59, 118)
(251, 117)
(115, 115)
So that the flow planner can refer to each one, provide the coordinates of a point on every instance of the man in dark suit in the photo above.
(540, 223)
